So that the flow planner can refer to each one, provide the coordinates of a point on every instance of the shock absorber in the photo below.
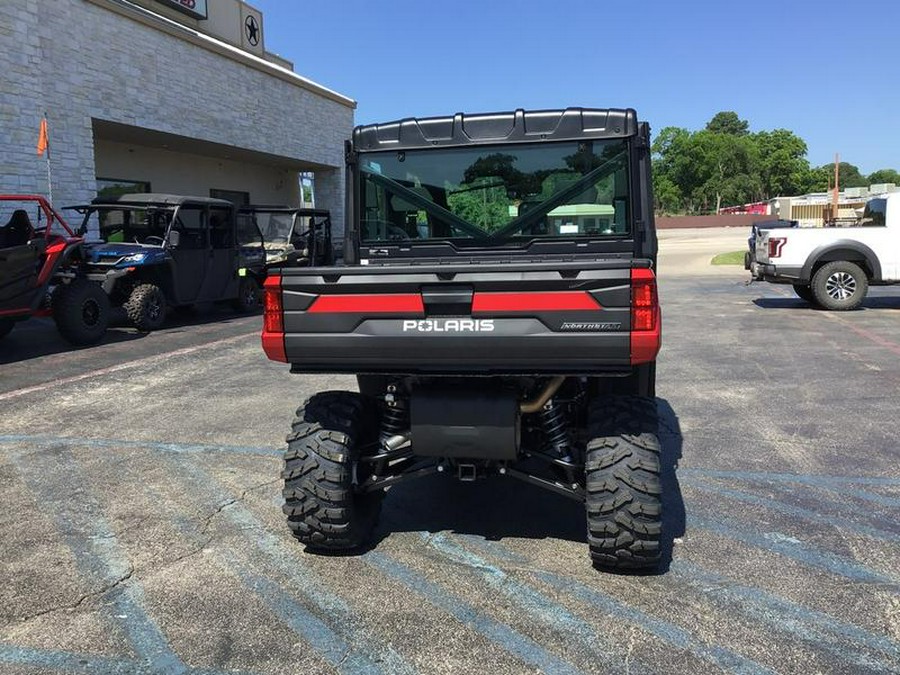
(556, 429)
(394, 418)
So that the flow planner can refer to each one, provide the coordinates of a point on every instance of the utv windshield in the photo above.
(132, 225)
(275, 226)
(483, 194)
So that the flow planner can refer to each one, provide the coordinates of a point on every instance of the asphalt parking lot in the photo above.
(141, 528)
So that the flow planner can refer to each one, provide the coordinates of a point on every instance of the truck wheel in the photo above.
(324, 510)
(839, 285)
(146, 307)
(248, 295)
(804, 292)
(81, 312)
(6, 325)
(622, 484)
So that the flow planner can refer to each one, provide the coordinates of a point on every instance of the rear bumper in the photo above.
(510, 355)
(777, 274)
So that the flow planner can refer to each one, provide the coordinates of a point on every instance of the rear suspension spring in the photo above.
(556, 429)
(395, 415)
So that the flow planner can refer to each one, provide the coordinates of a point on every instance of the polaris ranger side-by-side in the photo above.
(497, 301)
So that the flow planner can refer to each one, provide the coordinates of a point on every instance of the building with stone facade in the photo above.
(176, 96)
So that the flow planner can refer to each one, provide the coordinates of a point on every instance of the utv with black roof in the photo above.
(159, 251)
(40, 263)
(292, 235)
(497, 302)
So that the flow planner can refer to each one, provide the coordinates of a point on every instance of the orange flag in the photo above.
(43, 139)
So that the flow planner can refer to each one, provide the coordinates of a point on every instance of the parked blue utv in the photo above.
(159, 251)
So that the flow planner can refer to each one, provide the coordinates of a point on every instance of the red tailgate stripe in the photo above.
(369, 304)
(549, 301)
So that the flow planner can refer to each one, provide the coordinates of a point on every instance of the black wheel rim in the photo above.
(250, 295)
(154, 308)
(90, 312)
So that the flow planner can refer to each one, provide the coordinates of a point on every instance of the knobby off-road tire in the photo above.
(623, 488)
(323, 508)
(804, 293)
(839, 285)
(146, 307)
(81, 312)
(248, 299)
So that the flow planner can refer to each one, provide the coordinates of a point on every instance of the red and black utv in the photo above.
(39, 254)
(497, 302)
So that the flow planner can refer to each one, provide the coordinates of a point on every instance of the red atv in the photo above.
(39, 257)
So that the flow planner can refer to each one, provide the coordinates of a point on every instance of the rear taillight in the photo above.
(775, 246)
(645, 316)
(644, 302)
(273, 320)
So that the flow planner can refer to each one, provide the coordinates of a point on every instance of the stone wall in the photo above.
(78, 60)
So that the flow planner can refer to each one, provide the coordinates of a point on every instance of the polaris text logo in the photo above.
(449, 326)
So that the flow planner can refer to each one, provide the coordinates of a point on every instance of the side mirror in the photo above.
(174, 238)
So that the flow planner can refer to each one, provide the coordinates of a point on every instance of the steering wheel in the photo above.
(159, 240)
(383, 230)
(395, 233)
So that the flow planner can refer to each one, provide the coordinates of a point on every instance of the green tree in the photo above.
(783, 167)
(666, 195)
(728, 166)
(850, 176)
(483, 203)
(884, 176)
(728, 122)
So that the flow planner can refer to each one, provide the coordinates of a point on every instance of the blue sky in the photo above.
(677, 62)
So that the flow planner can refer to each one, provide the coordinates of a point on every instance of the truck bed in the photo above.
(491, 318)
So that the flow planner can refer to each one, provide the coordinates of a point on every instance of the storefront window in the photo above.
(113, 187)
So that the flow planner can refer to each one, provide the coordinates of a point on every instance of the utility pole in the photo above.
(834, 198)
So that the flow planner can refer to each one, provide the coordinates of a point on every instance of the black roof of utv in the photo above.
(505, 127)
(159, 199)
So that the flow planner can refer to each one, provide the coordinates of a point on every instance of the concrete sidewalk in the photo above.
(688, 252)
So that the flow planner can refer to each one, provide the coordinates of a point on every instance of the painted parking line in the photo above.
(502, 635)
(874, 653)
(825, 480)
(791, 547)
(796, 511)
(666, 631)
(127, 365)
(499, 633)
(346, 631)
(865, 650)
(315, 632)
(892, 347)
(69, 662)
(98, 554)
(45, 441)
(534, 603)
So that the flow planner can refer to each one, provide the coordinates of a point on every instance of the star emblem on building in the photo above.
(251, 27)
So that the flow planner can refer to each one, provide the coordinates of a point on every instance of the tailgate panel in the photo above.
(574, 318)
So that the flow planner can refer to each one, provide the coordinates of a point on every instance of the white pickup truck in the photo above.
(833, 267)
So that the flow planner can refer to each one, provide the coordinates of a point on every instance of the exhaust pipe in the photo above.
(535, 404)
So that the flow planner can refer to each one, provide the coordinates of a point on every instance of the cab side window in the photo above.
(874, 214)
(221, 230)
(190, 226)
